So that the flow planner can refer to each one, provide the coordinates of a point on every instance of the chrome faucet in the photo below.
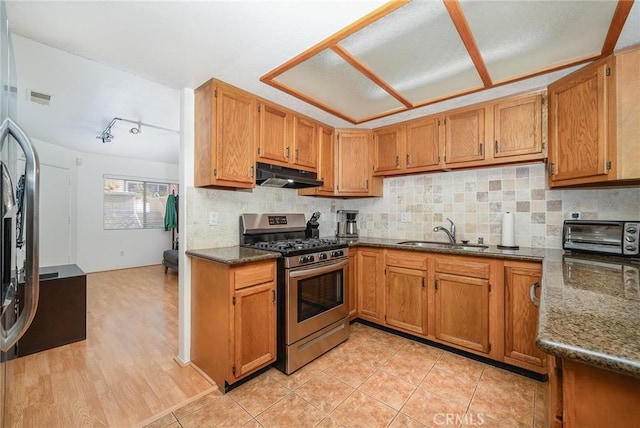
(451, 234)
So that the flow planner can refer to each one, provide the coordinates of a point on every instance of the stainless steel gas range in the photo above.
(312, 304)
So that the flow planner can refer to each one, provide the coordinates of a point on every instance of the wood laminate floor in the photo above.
(123, 373)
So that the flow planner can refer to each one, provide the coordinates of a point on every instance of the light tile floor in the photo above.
(375, 379)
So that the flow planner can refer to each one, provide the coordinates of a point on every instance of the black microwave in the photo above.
(603, 237)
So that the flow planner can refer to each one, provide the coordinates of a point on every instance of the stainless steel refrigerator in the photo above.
(19, 185)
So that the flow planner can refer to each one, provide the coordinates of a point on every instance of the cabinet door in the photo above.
(254, 328)
(423, 145)
(352, 285)
(462, 311)
(521, 315)
(327, 160)
(387, 149)
(406, 299)
(370, 289)
(518, 127)
(354, 162)
(305, 143)
(578, 119)
(274, 134)
(464, 136)
(236, 121)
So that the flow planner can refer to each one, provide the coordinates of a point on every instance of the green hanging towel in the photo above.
(170, 214)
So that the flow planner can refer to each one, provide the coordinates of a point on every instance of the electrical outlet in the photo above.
(406, 217)
(213, 219)
(576, 215)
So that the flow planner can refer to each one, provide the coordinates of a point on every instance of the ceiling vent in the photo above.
(39, 97)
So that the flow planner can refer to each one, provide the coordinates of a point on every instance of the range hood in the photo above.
(279, 176)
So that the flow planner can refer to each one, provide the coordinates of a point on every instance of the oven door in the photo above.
(315, 298)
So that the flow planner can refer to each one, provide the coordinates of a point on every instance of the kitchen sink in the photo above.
(447, 245)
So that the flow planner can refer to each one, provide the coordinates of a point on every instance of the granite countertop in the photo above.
(589, 306)
(590, 311)
(527, 254)
(233, 255)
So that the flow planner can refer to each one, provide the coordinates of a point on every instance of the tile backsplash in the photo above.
(476, 200)
(413, 205)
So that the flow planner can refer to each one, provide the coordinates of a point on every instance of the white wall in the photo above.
(93, 248)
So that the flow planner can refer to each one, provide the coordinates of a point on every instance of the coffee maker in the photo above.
(347, 225)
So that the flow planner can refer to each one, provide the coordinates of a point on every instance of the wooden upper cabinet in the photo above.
(465, 136)
(594, 123)
(305, 144)
(274, 134)
(327, 161)
(354, 159)
(517, 127)
(225, 136)
(578, 114)
(388, 148)
(423, 145)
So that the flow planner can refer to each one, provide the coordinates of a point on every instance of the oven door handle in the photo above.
(329, 267)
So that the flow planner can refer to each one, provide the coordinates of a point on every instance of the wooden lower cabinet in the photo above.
(462, 311)
(233, 318)
(371, 285)
(595, 397)
(521, 282)
(406, 291)
(352, 285)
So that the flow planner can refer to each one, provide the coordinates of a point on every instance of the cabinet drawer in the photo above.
(461, 266)
(407, 259)
(253, 274)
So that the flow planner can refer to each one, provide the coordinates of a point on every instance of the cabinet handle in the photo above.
(297, 154)
(551, 169)
(495, 146)
(481, 149)
(423, 283)
(287, 152)
(274, 295)
(532, 294)
(367, 184)
(408, 160)
(252, 170)
(397, 160)
(437, 280)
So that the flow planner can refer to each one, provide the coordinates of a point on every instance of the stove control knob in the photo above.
(322, 256)
(630, 248)
(630, 239)
(631, 229)
(311, 259)
(304, 259)
(337, 253)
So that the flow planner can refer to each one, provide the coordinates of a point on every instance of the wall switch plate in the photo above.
(406, 217)
(576, 215)
(213, 219)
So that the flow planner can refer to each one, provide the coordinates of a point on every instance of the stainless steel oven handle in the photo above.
(31, 278)
(326, 267)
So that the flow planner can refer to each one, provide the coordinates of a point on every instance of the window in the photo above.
(135, 204)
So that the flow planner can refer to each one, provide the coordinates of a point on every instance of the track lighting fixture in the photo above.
(106, 136)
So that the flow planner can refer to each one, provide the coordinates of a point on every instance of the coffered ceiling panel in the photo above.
(405, 49)
(332, 81)
(536, 35)
(408, 54)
